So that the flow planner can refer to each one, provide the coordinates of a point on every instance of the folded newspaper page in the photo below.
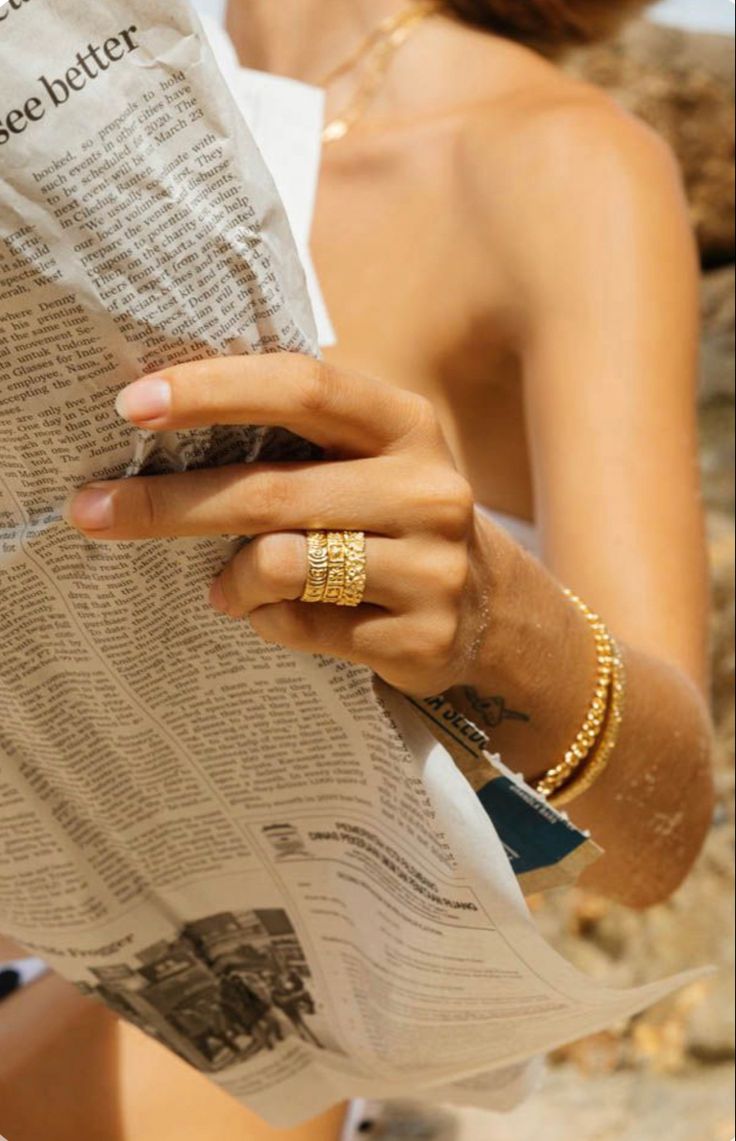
(263, 859)
(543, 846)
(286, 119)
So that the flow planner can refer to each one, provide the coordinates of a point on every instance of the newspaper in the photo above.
(286, 120)
(263, 859)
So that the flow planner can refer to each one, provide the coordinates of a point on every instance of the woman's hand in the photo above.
(388, 472)
(433, 568)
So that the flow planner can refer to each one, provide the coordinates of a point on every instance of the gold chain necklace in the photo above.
(377, 53)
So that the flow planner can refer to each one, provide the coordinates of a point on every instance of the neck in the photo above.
(303, 39)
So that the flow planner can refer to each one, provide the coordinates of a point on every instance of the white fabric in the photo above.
(356, 1115)
(286, 119)
(215, 9)
(525, 533)
(29, 970)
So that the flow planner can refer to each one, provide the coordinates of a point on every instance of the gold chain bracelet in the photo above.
(588, 774)
(601, 723)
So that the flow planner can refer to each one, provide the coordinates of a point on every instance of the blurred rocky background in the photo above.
(669, 1072)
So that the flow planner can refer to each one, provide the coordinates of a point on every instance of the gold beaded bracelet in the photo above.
(602, 717)
(588, 774)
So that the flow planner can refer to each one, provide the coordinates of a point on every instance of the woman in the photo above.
(510, 254)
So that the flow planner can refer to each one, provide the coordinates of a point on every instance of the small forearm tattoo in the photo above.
(493, 710)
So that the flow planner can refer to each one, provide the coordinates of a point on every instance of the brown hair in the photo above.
(551, 26)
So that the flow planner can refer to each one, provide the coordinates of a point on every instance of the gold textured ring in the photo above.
(317, 566)
(354, 585)
(336, 568)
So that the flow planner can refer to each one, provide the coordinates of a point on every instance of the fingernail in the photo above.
(91, 510)
(217, 597)
(145, 400)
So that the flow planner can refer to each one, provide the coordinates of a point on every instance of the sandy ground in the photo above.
(630, 1106)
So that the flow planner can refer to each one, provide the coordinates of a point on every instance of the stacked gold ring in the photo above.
(336, 568)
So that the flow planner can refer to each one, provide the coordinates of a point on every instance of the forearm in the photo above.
(652, 807)
(531, 682)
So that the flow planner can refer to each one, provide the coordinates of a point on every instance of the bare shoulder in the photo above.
(548, 145)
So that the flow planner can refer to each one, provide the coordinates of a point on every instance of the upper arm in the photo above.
(607, 279)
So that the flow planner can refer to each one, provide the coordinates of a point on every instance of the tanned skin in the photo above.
(509, 254)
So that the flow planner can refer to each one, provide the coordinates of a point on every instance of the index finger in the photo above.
(331, 407)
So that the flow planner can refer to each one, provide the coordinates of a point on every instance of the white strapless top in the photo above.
(525, 533)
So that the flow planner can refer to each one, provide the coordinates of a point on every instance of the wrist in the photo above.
(529, 681)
